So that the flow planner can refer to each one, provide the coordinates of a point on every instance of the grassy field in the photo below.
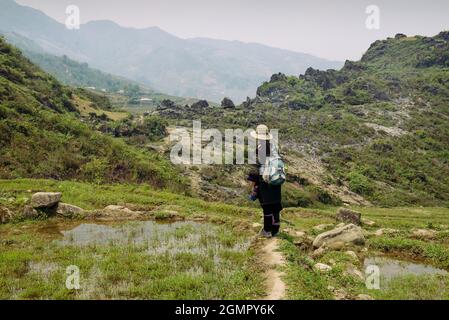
(398, 242)
(183, 263)
(210, 260)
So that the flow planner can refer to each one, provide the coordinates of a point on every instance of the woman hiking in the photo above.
(267, 180)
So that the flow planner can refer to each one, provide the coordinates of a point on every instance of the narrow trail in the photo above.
(274, 259)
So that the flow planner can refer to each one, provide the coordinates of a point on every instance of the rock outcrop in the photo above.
(227, 103)
(201, 104)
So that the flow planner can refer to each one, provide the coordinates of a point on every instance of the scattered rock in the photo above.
(342, 224)
(364, 297)
(30, 213)
(424, 234)
(201, 104)
(385, 231)
(227, 103)
(68, 210)
(295, 233)
(340, 294)
(6, 215)
(349, 234)
(319, 252)
(300, 234)
(367, 222)
(303, 243)
(349, 216)
(352, 254)
(356, 273)
(7, 242)
(322, 267)
(45, 199)
(322, 227)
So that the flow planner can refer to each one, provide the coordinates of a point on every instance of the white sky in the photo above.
(333, 29)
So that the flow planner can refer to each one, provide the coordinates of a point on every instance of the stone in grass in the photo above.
(349, 216)
(322, 267)
(349, 234)
(355, 273)
(322, 227)
(424, 234)
(352, 254)
(368, 223)
(29, 212)
(385, 231)
(364, 297)
(6, 215)
(67, 210)
(42, 200)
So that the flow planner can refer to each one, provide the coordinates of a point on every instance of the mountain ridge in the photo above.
(182, 67)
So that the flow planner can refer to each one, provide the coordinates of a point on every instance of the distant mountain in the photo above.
(199, 67)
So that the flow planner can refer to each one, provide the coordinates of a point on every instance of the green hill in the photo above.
(41, 134)
(377, 129)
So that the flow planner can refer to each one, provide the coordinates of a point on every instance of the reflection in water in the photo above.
(158, 238)
(391, 268)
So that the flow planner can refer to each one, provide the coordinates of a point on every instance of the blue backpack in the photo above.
(273, 171)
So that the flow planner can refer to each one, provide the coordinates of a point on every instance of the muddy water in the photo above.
(158, 238)
(391, 268)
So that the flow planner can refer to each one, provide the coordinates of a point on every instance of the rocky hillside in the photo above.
(375, 131)
(43, 133)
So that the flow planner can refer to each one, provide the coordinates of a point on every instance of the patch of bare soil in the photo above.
(273, 259)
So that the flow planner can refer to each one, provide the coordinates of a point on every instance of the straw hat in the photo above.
(261, 133)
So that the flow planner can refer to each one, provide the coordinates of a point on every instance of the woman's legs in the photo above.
(276, 221)
(267, 222)
(271, 218)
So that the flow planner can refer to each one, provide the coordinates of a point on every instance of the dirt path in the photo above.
(273, 258)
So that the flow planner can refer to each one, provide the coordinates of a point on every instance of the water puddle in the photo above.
(157, 238)
(391, 268)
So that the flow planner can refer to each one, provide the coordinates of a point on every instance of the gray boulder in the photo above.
(348, 234)
(349, 216)
(6, 215)
(45, 199)
(30, 213)
(68, 210)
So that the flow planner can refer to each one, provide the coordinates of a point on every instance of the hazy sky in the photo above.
(333, 29)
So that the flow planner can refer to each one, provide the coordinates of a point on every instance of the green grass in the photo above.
(304, 282)
(34, 267)
(126, 271)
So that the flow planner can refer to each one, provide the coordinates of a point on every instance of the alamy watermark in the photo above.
(72, 281)
(372, 280)
(72, 21)
(210, 146)
(372, 22)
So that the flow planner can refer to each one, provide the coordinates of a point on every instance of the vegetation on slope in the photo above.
(378, 126)
(41, 134)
